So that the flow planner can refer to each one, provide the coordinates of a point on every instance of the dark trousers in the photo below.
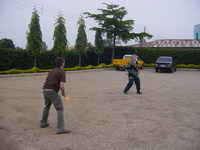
(130, 84)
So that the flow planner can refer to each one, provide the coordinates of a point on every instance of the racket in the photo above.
(67, 98)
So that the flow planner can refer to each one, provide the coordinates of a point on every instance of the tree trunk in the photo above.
(113, 54)
(79, 60)
(98, 60)
(113, 49)
(34, 61)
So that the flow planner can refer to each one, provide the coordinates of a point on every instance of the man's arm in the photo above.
(62, 88)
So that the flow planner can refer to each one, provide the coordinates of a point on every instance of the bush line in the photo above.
(189, 66)
(35, 70)
(12, 58)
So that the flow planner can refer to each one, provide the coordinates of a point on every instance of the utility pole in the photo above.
(42, 9)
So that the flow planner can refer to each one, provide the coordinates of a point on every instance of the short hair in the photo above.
(59, 61)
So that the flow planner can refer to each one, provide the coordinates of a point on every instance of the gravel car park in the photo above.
(100, 116)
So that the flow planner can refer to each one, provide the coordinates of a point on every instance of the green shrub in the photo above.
(97, 67)
(149, 65)
(69, 69)
(34, 69)
(150, 55)
(191, 66)
(12, 58)
(89, 67)
(102, 65)
(109, 66)
(78, 68)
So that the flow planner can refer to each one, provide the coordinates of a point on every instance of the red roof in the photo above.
(177, 43)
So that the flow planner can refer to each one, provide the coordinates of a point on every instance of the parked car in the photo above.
(121, 63)
(164, 63)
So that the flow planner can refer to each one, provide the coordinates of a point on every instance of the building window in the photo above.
(197, 36)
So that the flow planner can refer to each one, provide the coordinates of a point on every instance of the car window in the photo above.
(127, 57)
(164, 59)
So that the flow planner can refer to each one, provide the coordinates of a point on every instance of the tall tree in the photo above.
(60, 41)
(6, 43)
(98, 44)
(113, 26)
(89, 45)
(109, 42)
(34, 36)
(81, 40)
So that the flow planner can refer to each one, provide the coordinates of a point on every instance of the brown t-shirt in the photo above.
(54, 78)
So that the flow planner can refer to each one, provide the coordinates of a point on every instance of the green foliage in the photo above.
(59, 37)
(184, 56)
(150, 55)
(34, 36)
(6, 43)
(10, 58)
(35, 70)
(111, 23)
(98, 44)
(149, 65)
(191, 66)
(81, 40)
(18, 71)
(44, 46)
(20, 59)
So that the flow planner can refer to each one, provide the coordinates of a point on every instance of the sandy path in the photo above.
(100, 116)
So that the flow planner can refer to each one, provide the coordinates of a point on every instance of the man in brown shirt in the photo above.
(55, 82)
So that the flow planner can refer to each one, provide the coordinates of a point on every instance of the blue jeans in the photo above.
(130, 84)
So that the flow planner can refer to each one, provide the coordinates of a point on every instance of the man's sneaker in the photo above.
(139, 92)
(44, 126)
(64, 131)
(125, 93)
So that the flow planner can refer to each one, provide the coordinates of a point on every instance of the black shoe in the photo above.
(139, 92)
(44, 126)
(125, 93)
(64, 131)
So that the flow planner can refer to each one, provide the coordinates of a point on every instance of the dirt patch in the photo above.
(100, 116)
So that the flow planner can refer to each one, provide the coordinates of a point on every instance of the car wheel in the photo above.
(117, 68)
(156, 70)
(171, 70)
(174, 69)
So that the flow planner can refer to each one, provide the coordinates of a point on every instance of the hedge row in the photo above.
(34, 69)
(21, 60)
(150, 55)
(190, 66)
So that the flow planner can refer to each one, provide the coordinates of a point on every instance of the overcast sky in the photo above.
(164, 19)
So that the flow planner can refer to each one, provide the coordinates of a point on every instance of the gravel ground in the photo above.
(100, 116)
